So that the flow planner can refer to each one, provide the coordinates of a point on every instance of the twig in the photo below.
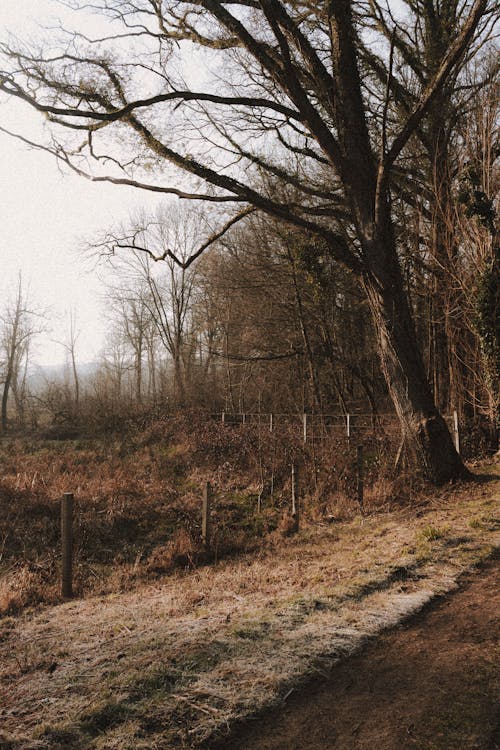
(206, 710)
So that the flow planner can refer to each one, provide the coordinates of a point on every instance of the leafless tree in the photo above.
(69, 345)
(160, 296)
(19, 323)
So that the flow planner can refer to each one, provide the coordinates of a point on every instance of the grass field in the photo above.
(171, 659)
(138, 501)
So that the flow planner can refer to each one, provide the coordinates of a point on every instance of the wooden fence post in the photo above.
(271, 422)
(456, 430)
(359, 474)
(295, 497)
(205, 517)
(223, 419)
(304, 426)
(67, 545)
(348, 426)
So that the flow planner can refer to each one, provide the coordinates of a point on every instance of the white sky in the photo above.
(46, 216)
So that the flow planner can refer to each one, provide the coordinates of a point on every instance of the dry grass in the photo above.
(171, 664)
(138, 501)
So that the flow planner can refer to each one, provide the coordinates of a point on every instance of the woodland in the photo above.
(259, 475)
(327, 244)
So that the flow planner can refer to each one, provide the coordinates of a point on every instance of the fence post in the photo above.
(359, 474)
(67, 545)
(271, 422)
(295, 497)
(304, 424)
(348, 426)
(223, 417)
(456, 430)
(205, 516)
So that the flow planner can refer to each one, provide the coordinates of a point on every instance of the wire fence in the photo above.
(316, 427)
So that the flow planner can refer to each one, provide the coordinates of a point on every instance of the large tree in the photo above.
(438, 145)
(268, 105)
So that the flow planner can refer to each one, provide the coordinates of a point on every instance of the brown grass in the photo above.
(137, 500)
(168, 664)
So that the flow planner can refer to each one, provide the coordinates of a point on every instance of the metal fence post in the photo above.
(456, 430)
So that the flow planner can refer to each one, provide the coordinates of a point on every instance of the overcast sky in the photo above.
(46, 216)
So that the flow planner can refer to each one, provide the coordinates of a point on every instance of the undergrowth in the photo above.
(138, 499)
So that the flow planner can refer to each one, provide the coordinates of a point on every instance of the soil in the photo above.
(431, 684)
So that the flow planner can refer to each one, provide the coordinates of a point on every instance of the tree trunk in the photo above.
(442, 253)
(179, 389)
(76, 380)
(424, 429)
(5, 400)
(9, 375)
(439, 344)
(316, 391)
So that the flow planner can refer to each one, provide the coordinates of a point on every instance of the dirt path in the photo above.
(433, 684)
